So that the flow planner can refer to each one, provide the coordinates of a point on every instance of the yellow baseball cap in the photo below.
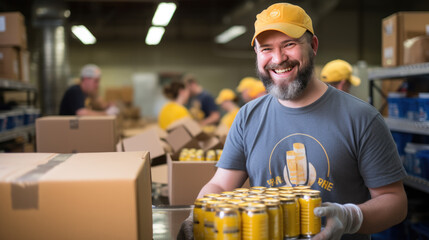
(256, 89)
(287, 18)
(246, 83)
(338, 70)
(225, 94)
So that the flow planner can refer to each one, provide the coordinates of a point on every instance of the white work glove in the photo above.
(187, 229)
(340, 219)
(112, 110)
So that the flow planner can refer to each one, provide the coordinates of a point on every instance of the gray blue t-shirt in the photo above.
(339, 145)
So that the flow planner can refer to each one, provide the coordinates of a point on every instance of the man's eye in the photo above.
(265, 49)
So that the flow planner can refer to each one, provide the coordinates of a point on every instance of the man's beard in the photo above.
(295, 88)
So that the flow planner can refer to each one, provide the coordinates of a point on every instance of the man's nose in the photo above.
(279, 56)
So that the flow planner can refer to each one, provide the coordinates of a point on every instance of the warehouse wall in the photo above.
(342, 34)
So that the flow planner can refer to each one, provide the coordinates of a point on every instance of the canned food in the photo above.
(291, 222)
(218, 154)
(241, 190)
(256, 192)
(254, 219)
(285, 188)
(199, 155)
(183, 155)
(275, 219)
(198, 215)
(228, 194)
(227, 222)
(310, 223)
(213, 196)
(209, 216)
(258, 188)
(211, 155)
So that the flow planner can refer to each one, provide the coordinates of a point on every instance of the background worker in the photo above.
(228, 102)
(346, 150)
(244, 88)
(257, 89)
(175, 109)
(82, 99)
(201, 104)
(338, 73)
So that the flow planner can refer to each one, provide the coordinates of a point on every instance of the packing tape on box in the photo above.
(25, 189)
(74, 123)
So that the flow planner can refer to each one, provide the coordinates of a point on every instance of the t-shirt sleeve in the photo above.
(380, 163)
(233, 156)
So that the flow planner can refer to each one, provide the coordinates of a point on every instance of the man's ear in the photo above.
(314, 44)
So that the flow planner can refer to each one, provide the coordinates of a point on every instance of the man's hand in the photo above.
(187, 229)
(340, 219)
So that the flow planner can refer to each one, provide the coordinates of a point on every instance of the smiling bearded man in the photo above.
(294, 89)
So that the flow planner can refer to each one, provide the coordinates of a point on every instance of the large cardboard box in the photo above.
(75, 196)
(12, 30)
(71, 134)
(397, 28)
(9, 63)
(148, 140)
(186, 178)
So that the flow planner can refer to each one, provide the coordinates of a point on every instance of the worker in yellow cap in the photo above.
(338, 73)
(257, 89)
(228, 101)
(244, 88)
(305, 132)
(174, 110)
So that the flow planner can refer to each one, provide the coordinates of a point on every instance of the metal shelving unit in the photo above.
(402, 125)
(24, 132)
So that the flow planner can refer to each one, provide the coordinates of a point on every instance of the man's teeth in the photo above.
(282, 70)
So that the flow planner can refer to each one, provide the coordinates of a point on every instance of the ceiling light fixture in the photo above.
(84, 35)
(154, 35)
(163, 14)
(230, 34)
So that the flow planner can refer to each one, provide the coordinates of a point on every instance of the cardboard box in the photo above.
(192, 126)
(75, 196)
(180, 138)
(416, 50)
(185, 179)
(72, 134)
(212, 143)
(397, 28)
(12, 30)
(24, 66)
(147, 141)
(121, 94)
(9, 63)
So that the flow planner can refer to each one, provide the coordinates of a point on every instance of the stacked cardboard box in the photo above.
(14, 56)
(72, 134)
(396, 29)
(75, 196)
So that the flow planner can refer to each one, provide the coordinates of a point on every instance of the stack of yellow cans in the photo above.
(193, 154)
(258, 213)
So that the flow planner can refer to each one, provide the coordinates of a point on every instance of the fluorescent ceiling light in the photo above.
(84, 35)
(163, 14)
(230, 34)
(154, 35)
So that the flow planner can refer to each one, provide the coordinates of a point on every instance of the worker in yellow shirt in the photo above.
(174, 110)
(338, 73)
(228, 101)
(257, 89)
